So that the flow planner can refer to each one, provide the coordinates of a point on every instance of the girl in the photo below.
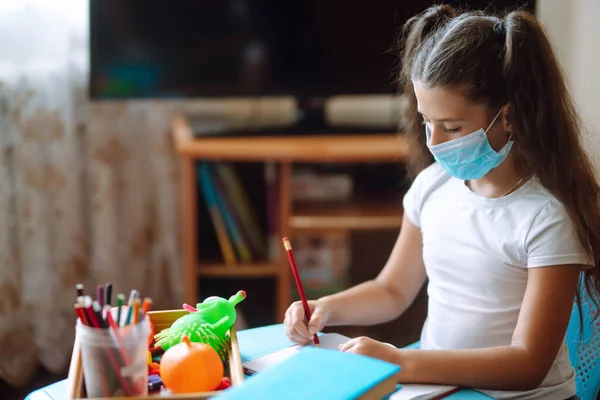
(502, 224)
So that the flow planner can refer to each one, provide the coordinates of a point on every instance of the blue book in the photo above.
(315, 373)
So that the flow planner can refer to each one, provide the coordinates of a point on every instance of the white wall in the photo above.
(575, 32)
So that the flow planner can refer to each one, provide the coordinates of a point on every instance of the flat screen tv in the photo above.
(207, 48)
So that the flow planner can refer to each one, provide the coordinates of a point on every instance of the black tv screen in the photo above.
(203, 48)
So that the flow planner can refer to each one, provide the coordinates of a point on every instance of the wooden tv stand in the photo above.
(284, 151)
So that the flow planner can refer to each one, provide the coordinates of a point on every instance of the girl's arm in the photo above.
(524, 363)
(389, 295)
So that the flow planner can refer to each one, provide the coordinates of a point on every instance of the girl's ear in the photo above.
(507, 118)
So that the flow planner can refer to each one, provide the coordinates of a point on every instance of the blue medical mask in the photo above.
(471, 156)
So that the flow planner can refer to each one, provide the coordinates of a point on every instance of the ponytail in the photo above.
(548, 140)
(536, 91)
(414, 33)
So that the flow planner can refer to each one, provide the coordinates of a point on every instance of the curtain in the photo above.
(88, 191)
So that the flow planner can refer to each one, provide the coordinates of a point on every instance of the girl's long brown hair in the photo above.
(502, 61)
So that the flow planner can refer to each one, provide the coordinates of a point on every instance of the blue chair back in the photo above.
(583, 342)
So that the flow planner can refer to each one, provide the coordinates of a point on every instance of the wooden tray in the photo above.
(161, 320)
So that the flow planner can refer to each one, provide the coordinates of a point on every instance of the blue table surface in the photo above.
(253, 343)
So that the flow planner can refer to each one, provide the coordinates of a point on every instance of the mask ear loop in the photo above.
(494, 120)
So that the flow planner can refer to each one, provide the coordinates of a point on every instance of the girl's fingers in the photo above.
(347, 346)
(297, 317)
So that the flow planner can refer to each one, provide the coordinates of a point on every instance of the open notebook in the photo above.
(332, 341)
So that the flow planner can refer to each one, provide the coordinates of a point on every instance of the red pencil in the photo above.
(93, 322)
(111, 356)
(113, 325)
(122, 353)
(288, 249)
(89, 312)
(80, 313)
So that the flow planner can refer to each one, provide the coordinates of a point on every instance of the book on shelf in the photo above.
(241, 205)
(231, 218)
(273, 240)
(236, 225)
(215, 214)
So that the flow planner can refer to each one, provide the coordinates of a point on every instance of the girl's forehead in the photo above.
(444, 103)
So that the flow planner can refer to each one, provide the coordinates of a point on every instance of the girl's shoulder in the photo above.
(426, 182)
(431, 178)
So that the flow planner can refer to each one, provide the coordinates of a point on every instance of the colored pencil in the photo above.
(128, 316)
(89, 312)
(288, 248)
(136, 311)
(120, 301)
(119, 351)
(98, 311)
(132, 296)
(115, 328)
(97, 314)
(93, 322)
(80, 313)
(108, 291)
(146, 304)
(100, 293)
(79, 289)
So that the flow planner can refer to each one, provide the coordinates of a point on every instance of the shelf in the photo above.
(256, 270)
(351, 215)
(391, 147)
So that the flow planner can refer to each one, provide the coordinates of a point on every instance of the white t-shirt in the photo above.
(476, 252)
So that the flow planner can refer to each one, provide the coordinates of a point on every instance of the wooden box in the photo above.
(161, 320)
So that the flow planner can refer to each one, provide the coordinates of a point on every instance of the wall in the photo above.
(574, 30)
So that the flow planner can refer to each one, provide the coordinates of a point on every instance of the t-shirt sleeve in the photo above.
(552, 239)
(411, 203)
(415, 195)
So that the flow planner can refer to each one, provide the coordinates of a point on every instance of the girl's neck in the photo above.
(501, 181)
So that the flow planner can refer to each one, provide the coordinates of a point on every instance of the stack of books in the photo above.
(236, 225)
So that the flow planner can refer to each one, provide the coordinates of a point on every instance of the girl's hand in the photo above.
(296, 327)
(372, 348)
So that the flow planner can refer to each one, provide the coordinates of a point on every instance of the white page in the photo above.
(331, 341)
(420, 392)
(326, 341)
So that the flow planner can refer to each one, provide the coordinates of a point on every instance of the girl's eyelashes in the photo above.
(448, 130)
(426, 122)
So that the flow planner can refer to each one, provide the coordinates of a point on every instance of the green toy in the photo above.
(208, 323)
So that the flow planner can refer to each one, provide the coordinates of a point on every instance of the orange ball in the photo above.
(191, 367)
